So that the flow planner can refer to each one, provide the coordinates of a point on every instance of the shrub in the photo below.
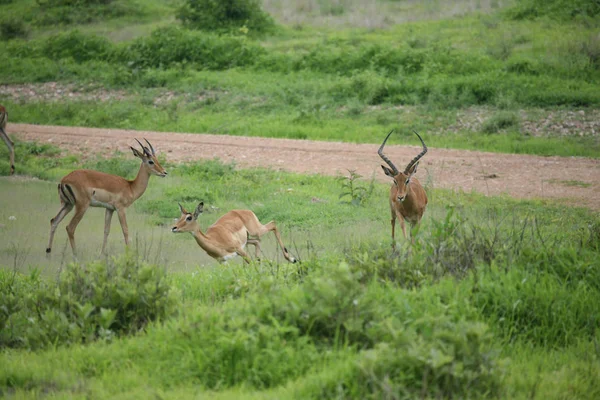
(501, 120)
(591, 49)
(358, 193)
(13, 28)
(83, 11)
(76, 45)
(229, 16)
(174, 46)
(435, 358)
(98, 300)
(557, 9)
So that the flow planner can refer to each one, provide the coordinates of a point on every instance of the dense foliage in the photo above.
(558, 9)
(496, 298)
(100, 300)
(352, 319)
(237, 16)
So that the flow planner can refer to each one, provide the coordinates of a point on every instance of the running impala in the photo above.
(228, 237)
(407, 197)
(84, 188)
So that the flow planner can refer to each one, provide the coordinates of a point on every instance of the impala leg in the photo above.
(11, 149)
(240, 252)
(65, 209)
(123, 221)
(79, 213)
(256, 244)
(272, 227)
(403, 225)
(107, 219)
(393, 229)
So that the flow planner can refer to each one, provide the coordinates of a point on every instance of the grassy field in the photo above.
(464, 73)
(496, 298)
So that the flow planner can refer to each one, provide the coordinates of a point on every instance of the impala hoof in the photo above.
(48, 250)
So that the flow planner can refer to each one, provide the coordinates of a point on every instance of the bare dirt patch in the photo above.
(535, 121)
(520, 176)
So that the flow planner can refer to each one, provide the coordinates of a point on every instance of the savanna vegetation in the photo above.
(326, 70)
(496, 298)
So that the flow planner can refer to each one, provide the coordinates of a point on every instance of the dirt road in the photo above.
(576, 180)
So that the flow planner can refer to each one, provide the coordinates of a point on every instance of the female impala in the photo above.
(84, 188)
(407, 197)
(9, 143)
(227, 237)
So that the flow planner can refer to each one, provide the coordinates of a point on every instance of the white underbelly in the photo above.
(228, 257)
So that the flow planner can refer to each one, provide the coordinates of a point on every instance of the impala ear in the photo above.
(388, 171)
(136, 152)
(183, 211)
(413, 169)
(199, 209)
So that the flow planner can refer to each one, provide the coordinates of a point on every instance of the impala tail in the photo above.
(66, 194)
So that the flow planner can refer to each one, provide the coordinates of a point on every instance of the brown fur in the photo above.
(230, 234)
(408, 199)
(84, 188)
(413, 206)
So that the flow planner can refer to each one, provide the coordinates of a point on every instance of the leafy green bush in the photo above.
(351, 186)
(557, 9)
(98, 300)
(174, 46)
(435, 358)
(82, 11)
(501, 120)
(76, 45)
(414, 345)
(231, 16)
(13, 28)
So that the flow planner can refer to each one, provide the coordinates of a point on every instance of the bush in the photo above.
(174, 46)
(76, 45)
(13, 28)
(556, 9)
(501, 120)
(231, 16)
(99, 300)
(437, 358)
(83, 11)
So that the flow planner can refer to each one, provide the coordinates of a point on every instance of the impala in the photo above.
(227, 237)
(9, 143)
(407, 197)
(84, 188)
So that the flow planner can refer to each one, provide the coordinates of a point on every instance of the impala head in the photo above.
(401, 179)
(149, 160)
(188, 222)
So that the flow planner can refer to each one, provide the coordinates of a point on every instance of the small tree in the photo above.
(225, 16)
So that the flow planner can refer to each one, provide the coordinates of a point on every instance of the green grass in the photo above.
(334, 82)
(497, 298)
(502, 289)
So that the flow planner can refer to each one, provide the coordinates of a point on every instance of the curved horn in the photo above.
(418, 157)
(144, 149)
(384, 158)
(151, 148)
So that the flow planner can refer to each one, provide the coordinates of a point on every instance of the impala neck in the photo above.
(201, 239)
(140, 183)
